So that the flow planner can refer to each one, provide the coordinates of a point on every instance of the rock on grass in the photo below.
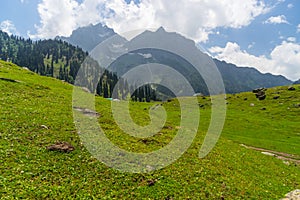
(294, 195)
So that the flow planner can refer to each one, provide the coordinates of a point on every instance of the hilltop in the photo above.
(36, 112)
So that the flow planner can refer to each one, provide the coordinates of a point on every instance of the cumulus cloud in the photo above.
(8, 27)
(193, 18)
(281, 19)
(250, 46)
(57, 18)
(298, 28)
(291, 39)
(283, 60)
(290, 6)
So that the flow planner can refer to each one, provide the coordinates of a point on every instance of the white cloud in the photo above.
(290, 6)
(8, 27)
(193, 18)
(57, 18)
(24, 1)
(283, 60)
(298, 28)
(291, 39)
(250, 46)
(146, 56)
(281, 19)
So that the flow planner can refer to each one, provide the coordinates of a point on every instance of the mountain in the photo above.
(240, 79)
(236, 79)
(89, 37)
(297, 82)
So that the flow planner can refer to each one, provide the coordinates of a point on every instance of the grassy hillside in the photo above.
(30, 171)
(271, 123)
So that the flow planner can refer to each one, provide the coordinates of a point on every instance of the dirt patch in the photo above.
(88, 112)
(61, 146)
(280, 155)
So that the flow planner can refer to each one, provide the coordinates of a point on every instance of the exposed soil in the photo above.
(87, 112)
(280, 155)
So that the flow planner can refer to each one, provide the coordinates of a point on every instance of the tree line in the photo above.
(61, 60)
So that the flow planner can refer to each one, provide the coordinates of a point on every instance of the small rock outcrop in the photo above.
(297, 105)
(291, 88)
(260, 93)
(61, 146)
(294, 195)
(44, 127)
(151, 182)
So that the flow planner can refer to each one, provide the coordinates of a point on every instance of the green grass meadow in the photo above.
(29, 171)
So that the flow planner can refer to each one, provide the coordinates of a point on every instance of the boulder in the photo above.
(294, 195)
(85, 89)
(260, 93)
(151, 182)
(44, 127)
(198, 95)
(258, 90)
(262, 97)
(291, 88)
(297, 105)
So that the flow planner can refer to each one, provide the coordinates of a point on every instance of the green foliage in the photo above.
(61, 60)
(44, 57)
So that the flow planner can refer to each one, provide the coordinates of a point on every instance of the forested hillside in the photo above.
(46, 57)
(61, 60)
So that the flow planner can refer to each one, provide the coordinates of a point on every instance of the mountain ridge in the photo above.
(231, 73)
(86, 37)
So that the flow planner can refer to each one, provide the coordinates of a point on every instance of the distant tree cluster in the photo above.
(109, 85)
(62, 60)
(53, 58)
(144, 94)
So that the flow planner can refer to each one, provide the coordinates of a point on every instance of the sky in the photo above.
(264, 34)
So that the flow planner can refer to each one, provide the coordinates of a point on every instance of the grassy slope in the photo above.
(276, 128)
(28, 170)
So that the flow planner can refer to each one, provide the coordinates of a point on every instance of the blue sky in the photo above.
(262, 34)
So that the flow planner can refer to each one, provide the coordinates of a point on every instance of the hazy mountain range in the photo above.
(236, 79)
(88, 37)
